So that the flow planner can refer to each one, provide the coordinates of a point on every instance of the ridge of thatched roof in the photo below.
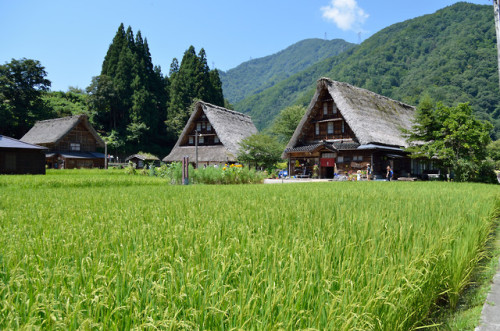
(53, 130)
(230, 126)
(372, 117)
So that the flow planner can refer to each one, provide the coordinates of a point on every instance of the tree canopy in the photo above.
(130, 95)
(22, 84)
(190, 81)
(260, 150)
(454, 137)
(287, 121)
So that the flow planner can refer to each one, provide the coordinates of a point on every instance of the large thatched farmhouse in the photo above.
(212, 132)
(346, 128)
(17, 157)
(72, 142)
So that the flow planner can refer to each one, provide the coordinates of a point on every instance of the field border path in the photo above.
(490, 315)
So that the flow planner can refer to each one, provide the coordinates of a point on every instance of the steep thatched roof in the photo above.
(52, 131)
(373, 118)
(230, 126)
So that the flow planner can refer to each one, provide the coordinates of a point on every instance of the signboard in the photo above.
(327, 162)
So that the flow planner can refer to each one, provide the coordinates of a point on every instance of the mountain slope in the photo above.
(256, 75)
(449, 55)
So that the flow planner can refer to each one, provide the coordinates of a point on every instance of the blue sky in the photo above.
(70, 38)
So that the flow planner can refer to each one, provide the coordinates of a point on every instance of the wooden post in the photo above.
(196, 147)
(185, 170)
(105, 155)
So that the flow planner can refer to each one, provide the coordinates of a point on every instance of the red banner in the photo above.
(327, 162)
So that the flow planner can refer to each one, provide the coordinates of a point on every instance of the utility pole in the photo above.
(497, 28)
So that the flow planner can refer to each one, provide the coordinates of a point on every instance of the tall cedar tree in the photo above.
(192, 80)
(130, 96)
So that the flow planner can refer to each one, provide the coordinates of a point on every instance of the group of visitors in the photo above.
(389, 175)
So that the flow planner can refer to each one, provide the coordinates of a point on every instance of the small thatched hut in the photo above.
(346, 128)
(141, 159)
(219, 132)
(72, 142)
(17, 157)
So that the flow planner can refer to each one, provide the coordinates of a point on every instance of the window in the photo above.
(191, 140)
(328, 155)
(330, 127)
(334, 108)
(317, 129)
(216, 140)
(325, 108)
(74, 147)
(198, 127)
(357, 158)
(201, 140)
(340, 159)
(343, 126)
(209, 127)
(203, 125)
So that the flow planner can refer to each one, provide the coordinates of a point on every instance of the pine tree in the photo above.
(130, 96)
(216, 97)
(191, 81)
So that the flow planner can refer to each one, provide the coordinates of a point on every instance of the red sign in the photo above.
(327, 162)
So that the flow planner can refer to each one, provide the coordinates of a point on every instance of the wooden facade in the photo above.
(71, 142)
(211, 136)
(206, 133)
(345, 129)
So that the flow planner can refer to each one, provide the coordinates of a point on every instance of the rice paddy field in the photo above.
(103, 250)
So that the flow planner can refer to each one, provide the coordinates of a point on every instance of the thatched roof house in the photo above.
(347, 128)
(72, 142)
(17, 157)
(142, 159)
(220, 131)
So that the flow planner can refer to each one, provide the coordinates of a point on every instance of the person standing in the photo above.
(389, 174)
(368, 171)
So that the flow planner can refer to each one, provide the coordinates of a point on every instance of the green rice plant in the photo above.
(132, 252)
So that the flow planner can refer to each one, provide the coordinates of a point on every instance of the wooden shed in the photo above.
(219, 133)
(72, 142)
(142, 159)
(17, 157)
(345, 128)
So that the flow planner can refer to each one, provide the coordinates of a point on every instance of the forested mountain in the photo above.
(254, 76)
(449, 55)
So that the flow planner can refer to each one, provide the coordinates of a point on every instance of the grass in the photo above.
(100, 249)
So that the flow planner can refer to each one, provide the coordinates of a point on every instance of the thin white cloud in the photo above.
(346, 14)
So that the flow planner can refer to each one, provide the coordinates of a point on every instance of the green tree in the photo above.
(190, 81)
(287, 121)
(22, 86)
(131, 94)
(260, 150)
(453, 136)
(72, 102)
(493, 150)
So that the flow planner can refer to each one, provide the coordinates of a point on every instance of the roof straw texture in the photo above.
(53, 130)
(230, 126)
